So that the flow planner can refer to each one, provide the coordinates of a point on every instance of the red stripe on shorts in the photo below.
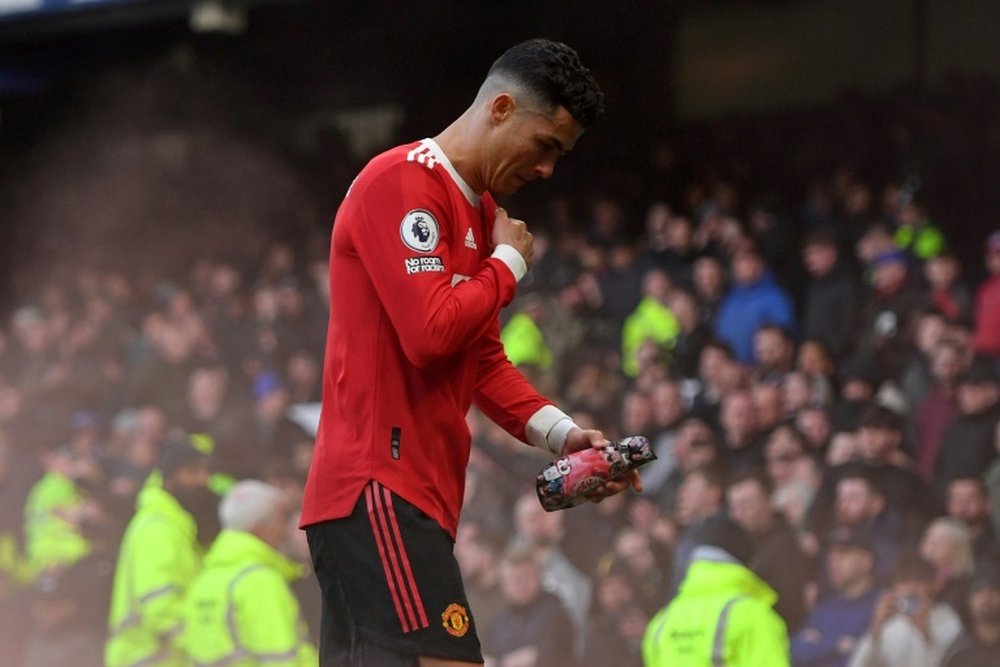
(390, 578)
(395, 562)
(407, 571)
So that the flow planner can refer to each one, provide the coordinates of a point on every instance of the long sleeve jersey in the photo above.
(414, 340)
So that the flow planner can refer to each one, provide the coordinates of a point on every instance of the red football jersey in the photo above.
(413, 340)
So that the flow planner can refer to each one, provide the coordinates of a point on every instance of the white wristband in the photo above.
(512, 258)
(547, 429)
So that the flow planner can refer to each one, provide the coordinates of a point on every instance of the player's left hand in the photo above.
(578, 439)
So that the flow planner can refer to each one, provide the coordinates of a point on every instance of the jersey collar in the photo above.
(439, 155)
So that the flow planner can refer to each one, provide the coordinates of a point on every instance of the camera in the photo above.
(908, 604)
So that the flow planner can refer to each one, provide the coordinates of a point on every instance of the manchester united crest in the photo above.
(455, 620)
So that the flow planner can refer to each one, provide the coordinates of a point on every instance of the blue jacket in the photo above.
(749, 306)
(821, 641)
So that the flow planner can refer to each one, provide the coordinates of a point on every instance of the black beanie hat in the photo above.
(178, 453)
(722, 532)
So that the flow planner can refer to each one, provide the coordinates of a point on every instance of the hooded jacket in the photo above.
(240, 610)
(159, 558)
(723, 615)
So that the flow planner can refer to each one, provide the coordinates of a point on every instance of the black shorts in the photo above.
(391, 587)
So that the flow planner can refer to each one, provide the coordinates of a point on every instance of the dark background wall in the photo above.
(120, 125)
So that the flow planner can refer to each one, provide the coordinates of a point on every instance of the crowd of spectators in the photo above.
(836, 391)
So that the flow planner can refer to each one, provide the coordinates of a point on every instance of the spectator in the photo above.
(741, 442)
(858, 384)
(768, 403)
(909, 629)
(668, 242)
(833, 628)
(694, 333)
(667, 408)
(938, 407)
(979, 643)
(523, 340)
(54, 513)
(533, 630)
(884, 332)
(987, 310)
(830, 301)
(754, 300)
(966, 500)
(272, 434)
(163, 379)
(712, 362)
(240, 606)
(636, 414)
(617, 623)
(694, 446)
(633, 552)
(813, 422)
(783, 452)
(906, 495)
(543, 533)
(213, 407)
(774, 353)
(652, 320)
(797, 393)
(948, 294)
(478, 556)
(159, 559)
(780, 561)
(709, 286)
(946, 544)
(860, 506)
(304, 373)
(916, 380)
(967, 447)
(723, 613)
(701, 496)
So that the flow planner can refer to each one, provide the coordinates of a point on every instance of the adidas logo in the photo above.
(470, 240)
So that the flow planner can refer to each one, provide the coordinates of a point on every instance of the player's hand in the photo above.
(514, 233)
(578, 439)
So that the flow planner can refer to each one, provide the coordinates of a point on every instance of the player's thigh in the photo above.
(396, 580)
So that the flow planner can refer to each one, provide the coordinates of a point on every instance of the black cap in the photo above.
(178, 453)
(848, 538)
(859, 368)
(722, 532)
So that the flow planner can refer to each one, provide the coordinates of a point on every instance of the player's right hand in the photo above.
(514, 233)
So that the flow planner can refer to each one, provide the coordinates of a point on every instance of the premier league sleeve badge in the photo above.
(419, 230)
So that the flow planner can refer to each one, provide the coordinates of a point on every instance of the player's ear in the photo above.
(501, 108)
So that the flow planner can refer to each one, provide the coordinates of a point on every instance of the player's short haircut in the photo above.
(552, 73)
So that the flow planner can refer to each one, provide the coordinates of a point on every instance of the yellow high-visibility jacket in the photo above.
(240, 611)
(159, 559)
(723, 615)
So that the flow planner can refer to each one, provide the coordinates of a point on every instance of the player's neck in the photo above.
(461, 145)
